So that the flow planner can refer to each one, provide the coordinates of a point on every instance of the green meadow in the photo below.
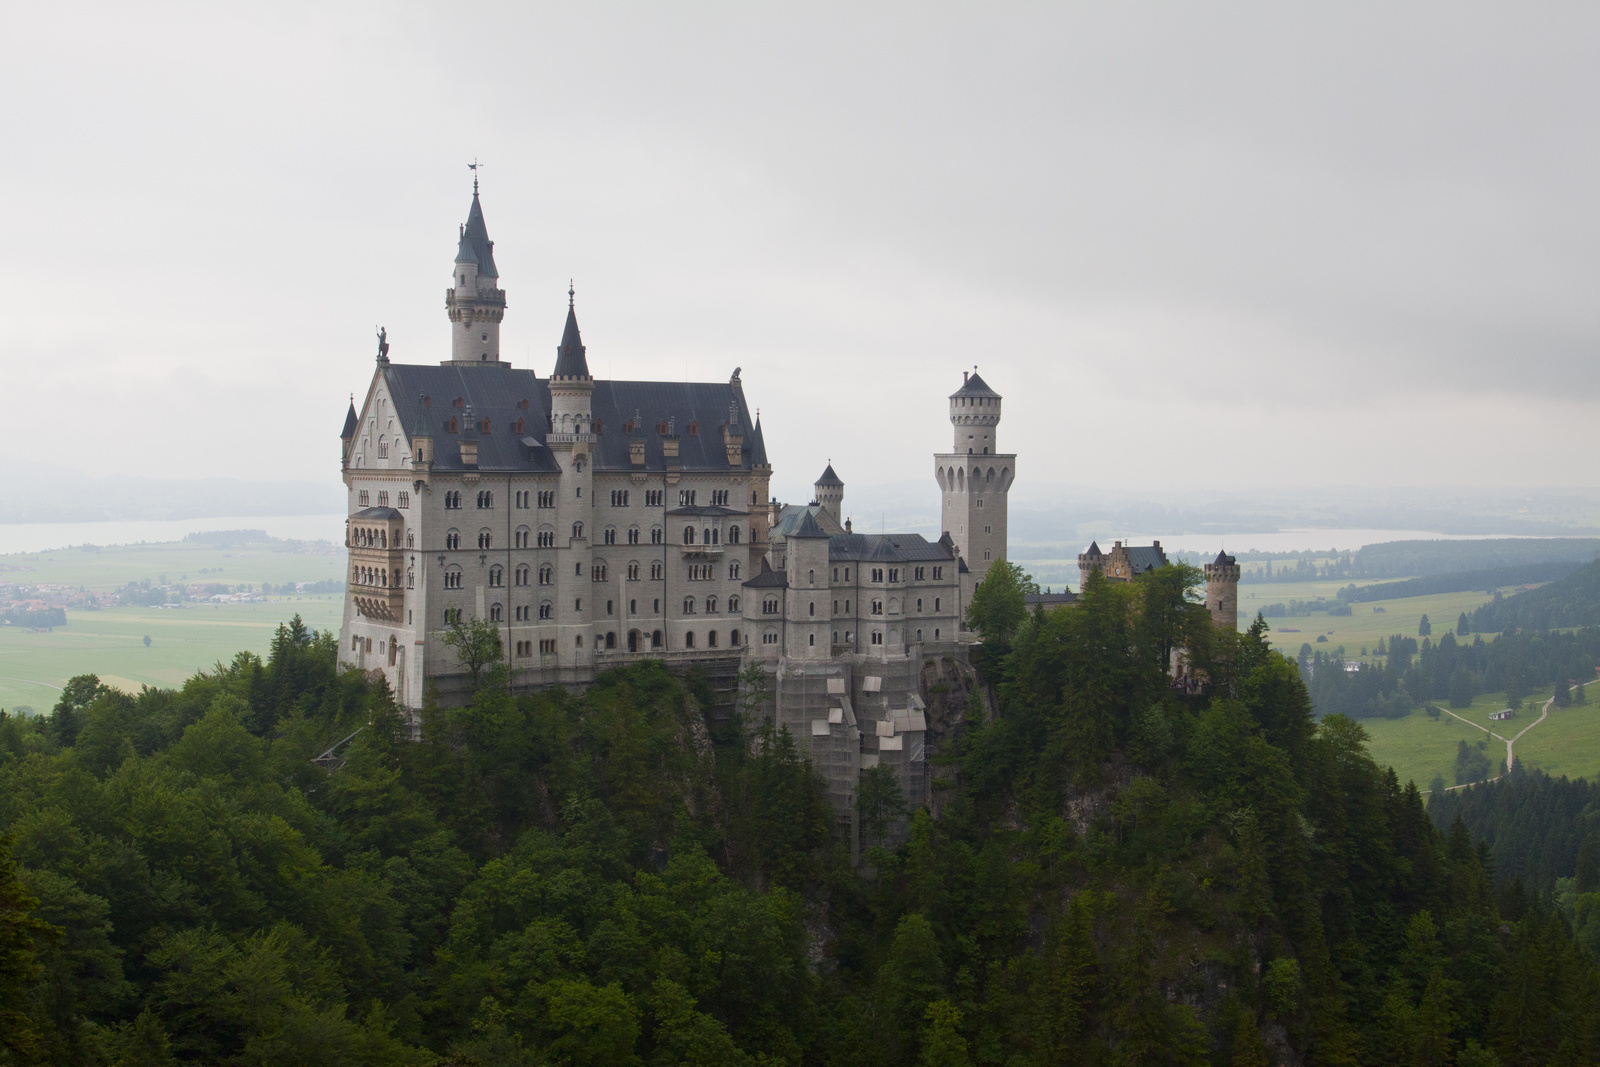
(1363, 626)
(110, 642)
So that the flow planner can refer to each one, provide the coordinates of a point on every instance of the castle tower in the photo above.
(474, 301)
(1222, 592)
(571, 441)
(974, 478)
(808, 608)
(829, 492)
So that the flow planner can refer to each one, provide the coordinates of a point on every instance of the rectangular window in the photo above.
(547, 647)
(547, 498)
(894, 574)
(938, 574)
(619, 498)
(653, 497)
(686, 498)
(719, 497)
(919, 574)
(405, 499)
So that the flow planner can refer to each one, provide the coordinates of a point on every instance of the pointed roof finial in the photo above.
(473, 167)
(571, 292)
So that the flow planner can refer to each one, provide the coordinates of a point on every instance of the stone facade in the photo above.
(598, 522)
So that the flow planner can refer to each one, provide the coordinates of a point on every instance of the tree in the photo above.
(998, 606)
(18, 969)
(880, 801)
(942, 1043)
(1462, 626)
(1563, 694)
(1424, 628)
(476, 643)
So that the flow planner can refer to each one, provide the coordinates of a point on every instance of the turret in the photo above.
(347, 436)
(475, 303)
(1222, 592)
(974, 478)
(571, 385)
(975, 414)
(829, 492)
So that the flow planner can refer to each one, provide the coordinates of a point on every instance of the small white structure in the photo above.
(1502, 714)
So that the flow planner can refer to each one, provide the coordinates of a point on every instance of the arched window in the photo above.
(655, 638)
(497, 577)
(485, 539)
(811, 639)
(611, 640)
(546, 610)
(688, 605)
(811, 577)
(494, 613)
(813, 607)
(610, 537)
(522, 574)
(733, 605)
(577, 531)
(452, 539)
(688, 535)
(688, 639)
(711, 605)
(733, 535)
(711, 639)
(714, 536)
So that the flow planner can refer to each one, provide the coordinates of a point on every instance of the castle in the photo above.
(599, 522)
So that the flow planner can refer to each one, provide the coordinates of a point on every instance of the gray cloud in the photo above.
(1319, 237)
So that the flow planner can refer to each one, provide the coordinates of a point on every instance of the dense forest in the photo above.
(1453, 671)
(1572, 601)
(1543, 838)
(1460, 582)
(1120, 872)
(1408, 559)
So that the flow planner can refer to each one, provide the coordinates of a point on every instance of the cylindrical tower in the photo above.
(975, 414)
(1222, 592)
(829, 491)
(475, 303)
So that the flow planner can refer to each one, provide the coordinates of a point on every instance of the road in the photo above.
(1511, 758)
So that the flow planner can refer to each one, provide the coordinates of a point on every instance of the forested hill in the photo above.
(1119, 874)
(1570, 601)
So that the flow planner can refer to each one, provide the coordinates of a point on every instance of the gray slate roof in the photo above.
(768, 578)
(376, 514)
(1049, 600)
(698, 409)
(1222, 560)
(350, 423)
(790, 516)
(829, 478)
(902, 548)
(475, 246)
(974, 386)
(570, 361)
(1146, 558)
(807, 527)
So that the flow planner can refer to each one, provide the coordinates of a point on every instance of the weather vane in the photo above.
(473, 167)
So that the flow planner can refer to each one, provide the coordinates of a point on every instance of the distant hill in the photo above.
(1570, 601)
(1461, 582)
(1404, 559)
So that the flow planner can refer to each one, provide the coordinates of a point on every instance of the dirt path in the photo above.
(1511, 758)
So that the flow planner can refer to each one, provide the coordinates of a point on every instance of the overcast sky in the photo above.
(1264, 245)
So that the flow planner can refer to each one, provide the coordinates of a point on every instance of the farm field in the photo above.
(1364, 626)
(1419, 747)
(106, 569)
(110, 643)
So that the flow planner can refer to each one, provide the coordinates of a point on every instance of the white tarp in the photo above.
(835, 687)
(885, 728)
(836, 716)
(869, 760)
(916, 721)
(819, 728)
(891, 744)
(872, 684)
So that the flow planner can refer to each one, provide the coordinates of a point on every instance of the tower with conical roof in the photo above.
(829, 492)
(974, 478)
(1222, 592)
(475, 302)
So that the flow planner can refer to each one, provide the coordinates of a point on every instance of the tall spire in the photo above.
(475, 302)
(571, 361)
(475, 246)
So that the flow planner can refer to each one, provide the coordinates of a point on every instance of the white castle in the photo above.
(602, 522)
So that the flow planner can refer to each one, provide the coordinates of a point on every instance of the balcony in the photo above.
(378, 602)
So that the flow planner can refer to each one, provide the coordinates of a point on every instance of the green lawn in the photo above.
(1419, 747)
(105, 569)
(110, 643)
(1366, 623)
